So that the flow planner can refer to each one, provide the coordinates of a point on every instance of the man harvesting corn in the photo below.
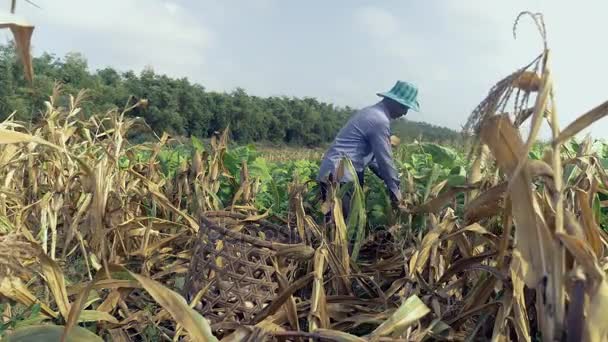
(365, 140)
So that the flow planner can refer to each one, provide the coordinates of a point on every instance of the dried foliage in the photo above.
(109, 239)
(15, 252)
(22, 33)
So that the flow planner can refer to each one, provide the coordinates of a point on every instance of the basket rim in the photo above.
(255, 241)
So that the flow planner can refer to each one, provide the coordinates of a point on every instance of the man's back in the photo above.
(352, 141)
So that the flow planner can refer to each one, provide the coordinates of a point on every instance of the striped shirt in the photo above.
(365, 140)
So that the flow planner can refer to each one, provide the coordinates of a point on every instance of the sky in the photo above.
(341, 51)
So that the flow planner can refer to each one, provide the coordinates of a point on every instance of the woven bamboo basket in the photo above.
(236, 266)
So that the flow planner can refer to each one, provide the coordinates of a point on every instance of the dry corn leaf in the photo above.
(475, 172)
(318, 317)
(539, 110)
(118, 335)
(255, 218)
(474, 228)
(500, 332)
(429, 241)
(582, 122)
(437, 329)
(75, 314)
(290, 304)
(584, 255)
(337, 336)
(506, 145)
(34, 333)
(487, 204)
(591, 228)
(110, 302)
(245, 332)
(105, 284)
(195, 324)
(14, 289)
(96, 316)
(14, 137)
(162, 199)
(56, 283)
(22, 32)
(532, 235)
(436, 204)
(280, 299)
(340, 241)
(242, 333)
(596, 329)
(520, 314)
(410, 312)
(465, 264)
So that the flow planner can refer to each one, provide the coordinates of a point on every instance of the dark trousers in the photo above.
(346, 198)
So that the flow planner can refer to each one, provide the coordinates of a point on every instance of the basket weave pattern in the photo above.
(236, 269)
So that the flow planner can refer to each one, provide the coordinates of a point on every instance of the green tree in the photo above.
(180, 107)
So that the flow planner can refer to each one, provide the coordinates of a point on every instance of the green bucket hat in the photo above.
(404, 93)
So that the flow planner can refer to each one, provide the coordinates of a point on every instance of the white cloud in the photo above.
(172, 7)
(578, 60)
(389, 36)
(403, 52)
(454, 50)
(128, 33)
(377, 21)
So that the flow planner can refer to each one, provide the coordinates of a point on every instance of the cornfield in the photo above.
(98, 243)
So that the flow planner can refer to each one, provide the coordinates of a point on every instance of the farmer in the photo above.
(365, 140)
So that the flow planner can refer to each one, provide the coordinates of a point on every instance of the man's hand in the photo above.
(403, 209)
(400, 206)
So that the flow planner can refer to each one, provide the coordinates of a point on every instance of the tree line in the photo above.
(409, 130)
(176, 105)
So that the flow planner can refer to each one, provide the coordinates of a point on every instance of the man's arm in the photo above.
(373, 165)
(379, 138)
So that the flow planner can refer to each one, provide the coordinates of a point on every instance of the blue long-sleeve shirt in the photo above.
(365, 140)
